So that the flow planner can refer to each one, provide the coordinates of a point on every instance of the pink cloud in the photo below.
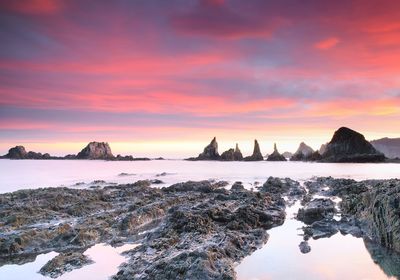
(327, 43)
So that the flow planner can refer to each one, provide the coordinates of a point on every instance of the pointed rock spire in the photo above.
(232, 154)
(210, 152)
(256, 156)
(276, 156)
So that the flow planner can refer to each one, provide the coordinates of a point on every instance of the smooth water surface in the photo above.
(22, 174)
(106, 261)
(337, 257)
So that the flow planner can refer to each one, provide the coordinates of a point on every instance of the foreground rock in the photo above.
(198, 230)
(64, 262)
(304, 247)
(317, 209)
(232, 154)
(96, 150)
(368, 208)
(378, 209)
(256, 156)
(350, 146)
(276, 156)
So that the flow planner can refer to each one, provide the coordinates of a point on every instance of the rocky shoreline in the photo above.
(196, 230)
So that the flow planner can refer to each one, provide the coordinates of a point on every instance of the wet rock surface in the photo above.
(304, 247)
(195, 230)
(369, 209)
(317, 209)
(64, 262)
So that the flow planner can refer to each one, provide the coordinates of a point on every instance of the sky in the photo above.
(161, 78)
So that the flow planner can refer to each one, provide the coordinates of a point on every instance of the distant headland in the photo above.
(92, 151)
(346, 145)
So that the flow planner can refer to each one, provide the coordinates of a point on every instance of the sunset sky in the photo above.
(161, 78)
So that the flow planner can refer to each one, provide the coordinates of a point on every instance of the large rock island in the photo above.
(96, 150)
(92, 151)
(348, 145)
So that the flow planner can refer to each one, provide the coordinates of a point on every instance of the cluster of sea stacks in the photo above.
(346, 145)
(93, 151)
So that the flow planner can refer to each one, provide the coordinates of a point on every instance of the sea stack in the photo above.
(18, 152)
(210, 152)
(348, 145)
(303, 153)
(232, 154)
(96, 150)
(256, 156)
(276, 156)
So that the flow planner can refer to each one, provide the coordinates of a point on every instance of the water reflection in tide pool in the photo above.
(106, 261)
(337, 257)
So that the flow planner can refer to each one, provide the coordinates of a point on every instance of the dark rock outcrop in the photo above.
(316, 156)
(304, 247)
(368, 209)
(19, 152)
(388, 260)
(256, 156)
(64, 262)
(317, 209)
(190, 230)
(389, 146)
(210, 152)
(276, 156)
(350, 146)
(96, 150)
(303, 153)
(378, 208)
(232, 154)
(129, 158)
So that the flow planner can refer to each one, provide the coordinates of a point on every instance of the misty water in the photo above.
(338, 257)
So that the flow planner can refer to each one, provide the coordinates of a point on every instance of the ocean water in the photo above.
(23, 174)
(338, 257)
